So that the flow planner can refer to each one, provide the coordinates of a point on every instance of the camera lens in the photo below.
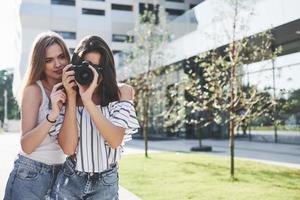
(84, 75)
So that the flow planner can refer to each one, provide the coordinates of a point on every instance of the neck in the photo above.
(95, 98)
(49, 83)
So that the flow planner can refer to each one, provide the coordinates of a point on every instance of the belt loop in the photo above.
(89, 175)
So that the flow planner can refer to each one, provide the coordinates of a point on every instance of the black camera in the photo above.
(83, 74)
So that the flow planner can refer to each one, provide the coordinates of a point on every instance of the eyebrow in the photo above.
(93, 64)
(62, 54)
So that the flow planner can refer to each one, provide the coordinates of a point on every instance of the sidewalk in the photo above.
(9, 147)
(279, 154)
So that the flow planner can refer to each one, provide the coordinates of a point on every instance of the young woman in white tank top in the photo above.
(40, 158)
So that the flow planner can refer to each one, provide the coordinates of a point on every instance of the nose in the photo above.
(57, 63)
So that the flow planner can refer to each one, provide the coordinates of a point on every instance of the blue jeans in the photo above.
(72, 185)
(30, 180)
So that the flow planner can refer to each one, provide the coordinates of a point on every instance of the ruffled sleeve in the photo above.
(122, 114)
(54, 130)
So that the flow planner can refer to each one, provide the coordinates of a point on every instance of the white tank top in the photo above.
(49, 151)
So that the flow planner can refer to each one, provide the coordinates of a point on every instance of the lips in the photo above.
(58, 71)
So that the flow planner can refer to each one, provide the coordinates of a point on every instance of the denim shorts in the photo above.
(72, 184)
(30, 180)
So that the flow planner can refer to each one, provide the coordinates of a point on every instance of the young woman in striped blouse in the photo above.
(99, 117)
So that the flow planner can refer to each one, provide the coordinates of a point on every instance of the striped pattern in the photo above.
(54, 130)
(93, 152)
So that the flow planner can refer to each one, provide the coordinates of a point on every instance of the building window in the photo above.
(192, 5)
(175, 12)
(63, 2)
(122, 38)
(143, 8)
(88, 11)
(67, 34)
(116, 51)
(148, 7)
(177, 1)
(121, 7)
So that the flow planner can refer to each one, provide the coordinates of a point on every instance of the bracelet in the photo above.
(49, 119)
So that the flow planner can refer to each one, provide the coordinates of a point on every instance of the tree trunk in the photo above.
(199, 135)
(231, 144)
(147, 106)
(233, 92)
(274, 107)
(146, 130)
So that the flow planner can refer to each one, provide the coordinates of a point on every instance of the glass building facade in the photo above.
(202, 29)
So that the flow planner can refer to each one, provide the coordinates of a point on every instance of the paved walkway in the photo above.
(279, 154)
(9, 147)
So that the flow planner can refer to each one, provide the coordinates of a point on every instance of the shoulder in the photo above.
(32, 93)
(34, 89)
(126, 91)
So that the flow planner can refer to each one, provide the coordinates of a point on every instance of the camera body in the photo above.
(83, 74)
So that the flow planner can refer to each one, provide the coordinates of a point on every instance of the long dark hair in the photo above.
(108, 88)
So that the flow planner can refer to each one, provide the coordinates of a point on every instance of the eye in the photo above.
(48, 60)
(62, 56)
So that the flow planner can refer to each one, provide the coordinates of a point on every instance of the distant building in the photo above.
(203, 28)
(74, 19)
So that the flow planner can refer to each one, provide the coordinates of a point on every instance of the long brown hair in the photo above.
(35, 70)
(108, 89)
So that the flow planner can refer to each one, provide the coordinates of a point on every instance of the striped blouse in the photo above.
(93, 153)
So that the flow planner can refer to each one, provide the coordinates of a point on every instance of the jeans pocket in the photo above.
(68, 170)
(27, 173)
(110, 179)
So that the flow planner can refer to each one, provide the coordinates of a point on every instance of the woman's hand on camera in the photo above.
(58, 98)
(68, 79)
(86, 92)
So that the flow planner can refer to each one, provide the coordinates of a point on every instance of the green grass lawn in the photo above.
(180, 176)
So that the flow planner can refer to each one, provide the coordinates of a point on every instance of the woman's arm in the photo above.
(111, 133)
(33, 133)
(68, 136)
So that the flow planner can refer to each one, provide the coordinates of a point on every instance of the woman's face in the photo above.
(93, 57)
(55, 62)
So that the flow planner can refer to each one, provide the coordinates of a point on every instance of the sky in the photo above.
(10, 34)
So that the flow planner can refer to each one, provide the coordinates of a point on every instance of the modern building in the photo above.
(196, 26)
(74, 19)
(206, 27)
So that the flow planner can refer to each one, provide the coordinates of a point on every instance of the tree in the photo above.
(220, 93)
(144, 55)
(6, 79)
